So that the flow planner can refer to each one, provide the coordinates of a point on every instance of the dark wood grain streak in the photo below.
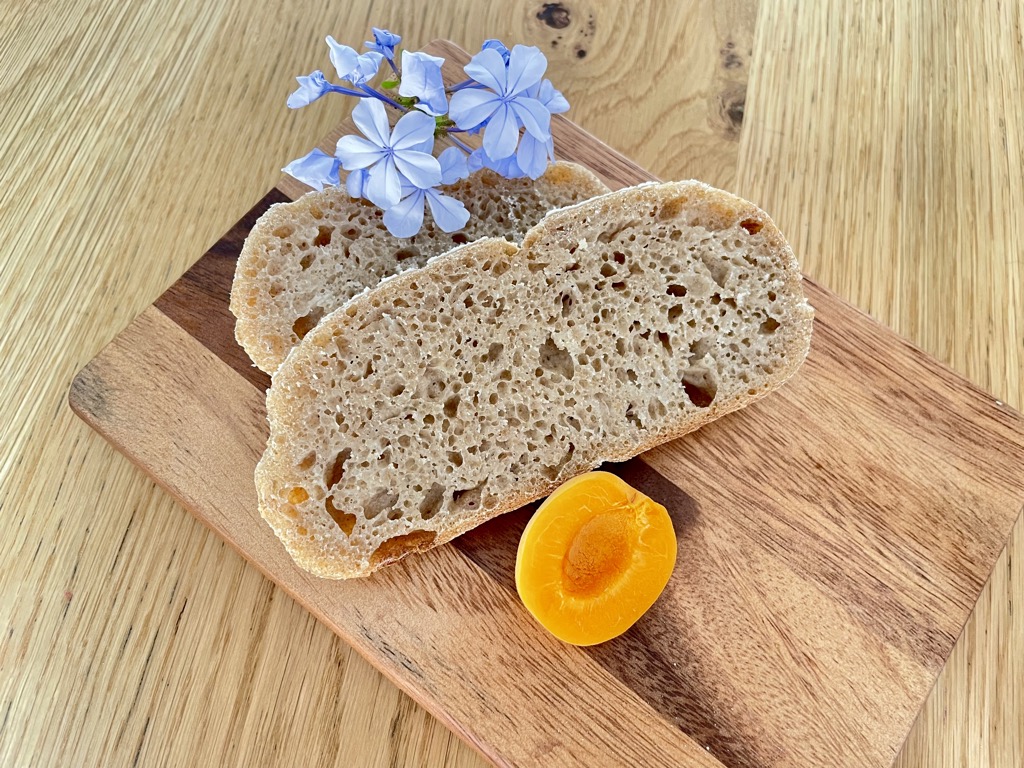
(833, 540)
(198, 301)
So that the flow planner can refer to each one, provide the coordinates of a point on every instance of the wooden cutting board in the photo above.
(833, 540)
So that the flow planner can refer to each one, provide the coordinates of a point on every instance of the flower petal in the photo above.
(501, 134)
(311, 87)
(355, 184)
(471, 107)
(551, 98)
(488, 69)
(384, 42)
(533, 115)
(419, 168)
(366, 67)
(384, 184)
(343, 58)
(356, 152)
(413, 129)
(526, 66)
(405, 218)
(497, 45)
(316, 169)
(449, 214)
(370, 118)
(532, 156)
(453, 165)
(421, 77)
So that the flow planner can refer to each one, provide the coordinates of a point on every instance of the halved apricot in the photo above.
(594, 557)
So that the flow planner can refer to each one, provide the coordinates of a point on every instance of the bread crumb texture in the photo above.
(451, 394)
(306, 258)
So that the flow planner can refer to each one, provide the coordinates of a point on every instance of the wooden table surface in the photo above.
(886, 143)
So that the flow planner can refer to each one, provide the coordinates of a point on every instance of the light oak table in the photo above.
(886, 142)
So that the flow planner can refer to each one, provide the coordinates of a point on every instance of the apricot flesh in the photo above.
(594, 558)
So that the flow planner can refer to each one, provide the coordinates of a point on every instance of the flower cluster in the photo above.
(504, 97)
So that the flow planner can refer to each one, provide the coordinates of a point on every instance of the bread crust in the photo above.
(292, 392)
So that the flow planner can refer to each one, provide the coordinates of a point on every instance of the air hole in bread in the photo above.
(382, 501)
(700, 386)
(297, 495)
(753, 227)
(677, 290)
(344, 520)
(618, 286)
(769, 326)
(396, 389)
(307, 261)
(494, 352)
(283, 231)
(455, 458)
(675, 312)
(771, 296)
(459, 238)
(307, 323)
(607, 270)
(610, 234)
(398, 547)
(632, 417)
(537, 266)
(308, 461)
(665, 342)
(409, 252)
(432, 500)
(699, 348)
(656, 408)
(567, 303)
(556, 359)
(619, 256)
(552, 471)
(468, 500)
(717, 267)
(451, 405)
(337, 469)
(323, 235)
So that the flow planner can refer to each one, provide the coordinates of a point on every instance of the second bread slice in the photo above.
(449, 395)
(306, 258)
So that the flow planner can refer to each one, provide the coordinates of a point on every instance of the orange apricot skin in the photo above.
(594, 558)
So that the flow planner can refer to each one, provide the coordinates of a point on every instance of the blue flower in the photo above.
(506, 105)
(384, 43)
(533, 154)
(421, 77)
(389, 156)
(406, 218)
(354, 67)
(496, 45)
(507, 166)
(316, 169)
(311, 87)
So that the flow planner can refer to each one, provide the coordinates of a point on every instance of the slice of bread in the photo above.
(451, 394)
(306, 258)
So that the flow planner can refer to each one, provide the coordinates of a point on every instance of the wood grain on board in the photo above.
(833, 540)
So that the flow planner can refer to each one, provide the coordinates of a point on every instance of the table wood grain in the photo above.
(885, 142)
